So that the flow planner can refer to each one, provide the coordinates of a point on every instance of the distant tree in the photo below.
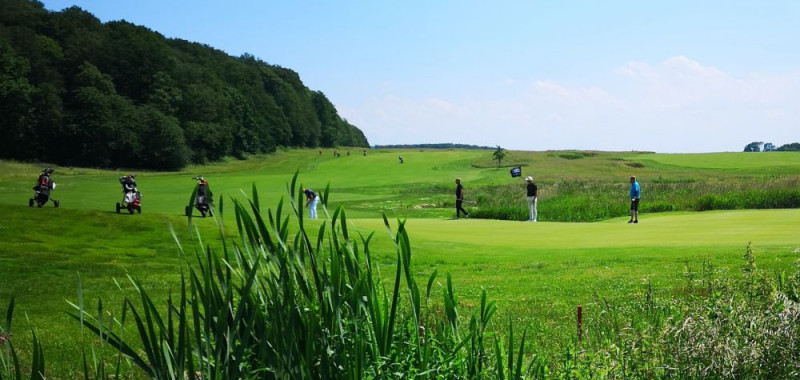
(499, 154)
(328, 119)
(793, 147)
(99, 129)
(754, 146)
(15, 102)
(769, 147)
(163, 140)
(47, 121)
(208, 141)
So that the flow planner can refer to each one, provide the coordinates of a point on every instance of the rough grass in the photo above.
(578, 200)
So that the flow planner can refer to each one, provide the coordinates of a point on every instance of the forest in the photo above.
(76, 91)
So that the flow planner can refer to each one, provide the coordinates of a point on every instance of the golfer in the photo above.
(532, 195)
(311, 202)
(460, 200)
(635, 194)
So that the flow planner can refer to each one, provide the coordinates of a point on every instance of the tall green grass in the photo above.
(580, 200)
(721, 326)
(10, 366)
(276, 304)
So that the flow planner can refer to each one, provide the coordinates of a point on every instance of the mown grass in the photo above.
(592, 187)
(537, 273)
(623, 296)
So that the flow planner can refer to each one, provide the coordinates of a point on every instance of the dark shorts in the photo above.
(635, 205)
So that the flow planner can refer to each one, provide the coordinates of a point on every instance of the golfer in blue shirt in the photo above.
(636, 193)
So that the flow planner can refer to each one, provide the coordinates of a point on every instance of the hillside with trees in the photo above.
(76, 91)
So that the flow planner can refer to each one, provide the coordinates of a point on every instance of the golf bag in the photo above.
(41, 192)
(203, 198)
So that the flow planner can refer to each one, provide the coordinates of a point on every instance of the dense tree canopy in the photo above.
(793, 147)
(754, 146)
(76, 91)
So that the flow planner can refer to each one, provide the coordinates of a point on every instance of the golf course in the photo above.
(700, 215)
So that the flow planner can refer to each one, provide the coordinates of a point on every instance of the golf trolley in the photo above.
(41, 192)
(130, 201)
(203, 198)
(131, 198)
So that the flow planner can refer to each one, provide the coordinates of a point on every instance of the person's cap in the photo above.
(529, 178)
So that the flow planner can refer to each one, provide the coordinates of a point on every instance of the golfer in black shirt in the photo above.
(532, 195)
(460, 199)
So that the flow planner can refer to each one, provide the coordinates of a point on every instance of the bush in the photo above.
(571, 156)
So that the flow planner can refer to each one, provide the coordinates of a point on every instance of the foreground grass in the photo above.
(537, 272)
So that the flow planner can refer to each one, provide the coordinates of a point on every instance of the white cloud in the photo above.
(678, 105)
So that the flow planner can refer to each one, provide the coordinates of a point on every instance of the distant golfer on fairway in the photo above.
(311, 202)
(460, 199)
(635, 195)
(532, 194)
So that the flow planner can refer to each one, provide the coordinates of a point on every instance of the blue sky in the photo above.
(667, 76)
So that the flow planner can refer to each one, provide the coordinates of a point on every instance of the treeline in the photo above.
(76, 91)
(760, 146)
(431, 146)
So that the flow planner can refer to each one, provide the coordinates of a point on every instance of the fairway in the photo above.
(537, 270)
(737, 162)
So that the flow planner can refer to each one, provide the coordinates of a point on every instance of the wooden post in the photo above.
(580, 322)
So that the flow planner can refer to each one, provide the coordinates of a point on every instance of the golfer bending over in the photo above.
(311, 202)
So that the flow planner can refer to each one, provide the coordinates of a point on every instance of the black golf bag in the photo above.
(41, 192)
(203, 200)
